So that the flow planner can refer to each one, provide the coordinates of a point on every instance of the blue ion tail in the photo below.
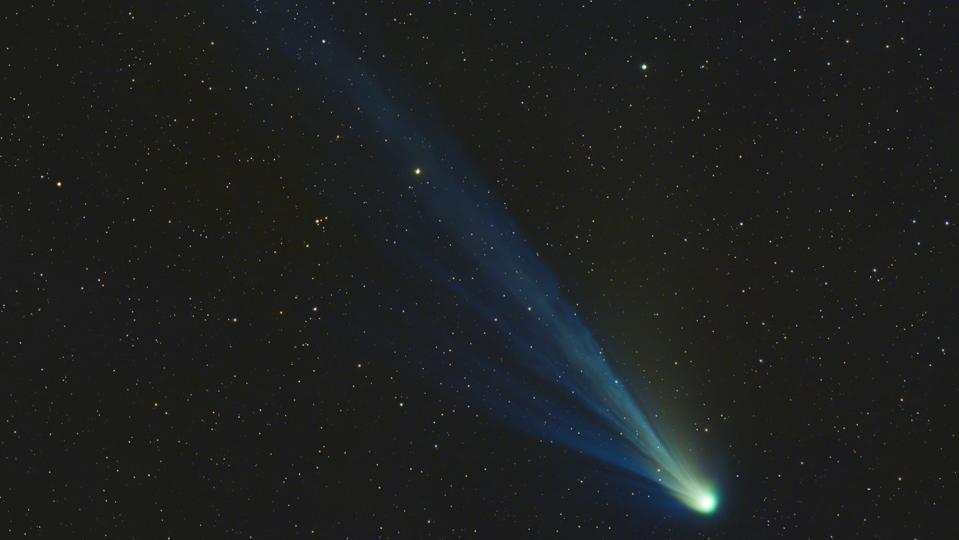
(549, 377)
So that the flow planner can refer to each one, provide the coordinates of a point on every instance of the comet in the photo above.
(517, 348)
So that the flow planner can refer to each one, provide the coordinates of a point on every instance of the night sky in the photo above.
(365, 269)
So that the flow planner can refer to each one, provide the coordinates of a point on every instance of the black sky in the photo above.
(201, 329)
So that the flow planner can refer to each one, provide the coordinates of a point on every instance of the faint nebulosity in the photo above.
(479, 270)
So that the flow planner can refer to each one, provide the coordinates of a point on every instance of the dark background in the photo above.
(199, 337)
